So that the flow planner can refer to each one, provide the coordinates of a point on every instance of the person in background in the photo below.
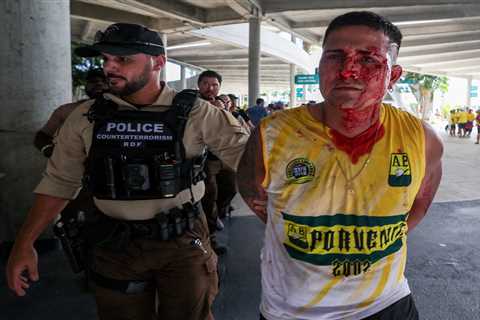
(241, 112)
(209, 83)
(477, 120)
(220, 185)
(240, 115)
(453, 123)
(462, 121)
(96, 85)
(278, 106)
(469, 123)
(257, 112)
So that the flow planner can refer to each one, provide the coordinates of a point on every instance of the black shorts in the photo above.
(403, 309)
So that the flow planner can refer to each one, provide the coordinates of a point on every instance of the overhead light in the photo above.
(190, 45)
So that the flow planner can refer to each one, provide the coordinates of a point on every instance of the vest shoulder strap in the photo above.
(183, 104)
(102, 109)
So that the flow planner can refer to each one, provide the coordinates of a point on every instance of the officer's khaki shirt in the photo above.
(206, 126)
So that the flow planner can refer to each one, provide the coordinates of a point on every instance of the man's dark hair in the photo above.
(365, 18)
(209, 74)
(95, 73)
(259, 100)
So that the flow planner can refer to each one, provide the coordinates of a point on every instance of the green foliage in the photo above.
(80, 67)
(445, 110)
(425, 81)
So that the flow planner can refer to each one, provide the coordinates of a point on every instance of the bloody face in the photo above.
(355, 72)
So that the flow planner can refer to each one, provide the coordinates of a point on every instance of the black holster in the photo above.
(70, 233)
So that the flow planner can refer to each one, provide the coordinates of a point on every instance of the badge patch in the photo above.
(300, 170)
(400, 174)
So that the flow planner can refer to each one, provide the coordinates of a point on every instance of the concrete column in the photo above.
(163, 72)
(254, 60)
(293, 93)
(35, 78)
(183, 77)
(469, 89)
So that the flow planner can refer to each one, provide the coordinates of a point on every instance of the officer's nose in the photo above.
(110, 66)
(350, 70)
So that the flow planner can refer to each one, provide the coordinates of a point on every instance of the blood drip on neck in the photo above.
(362, 144)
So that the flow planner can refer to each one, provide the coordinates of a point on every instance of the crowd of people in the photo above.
(339, 184)
(461, 123)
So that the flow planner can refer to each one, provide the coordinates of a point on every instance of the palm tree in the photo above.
(423, 87)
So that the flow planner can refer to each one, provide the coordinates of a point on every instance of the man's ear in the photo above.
(395, 74)
(159, 62)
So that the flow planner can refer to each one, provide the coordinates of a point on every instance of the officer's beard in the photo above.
(134, 85)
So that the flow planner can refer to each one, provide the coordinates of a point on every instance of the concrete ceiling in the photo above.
(440, 37)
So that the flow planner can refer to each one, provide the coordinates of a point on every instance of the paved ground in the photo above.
(461, 169)
(443, 264)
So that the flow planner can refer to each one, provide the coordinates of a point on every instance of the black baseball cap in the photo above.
(123, 39)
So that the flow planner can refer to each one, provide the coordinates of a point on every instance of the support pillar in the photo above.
(35, 60)
(163, 72)
(293, 93)
(183, 77)
(254, 59)
(469, 89)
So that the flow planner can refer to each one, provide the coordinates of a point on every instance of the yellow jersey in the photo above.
(462, 117)
(335, 239)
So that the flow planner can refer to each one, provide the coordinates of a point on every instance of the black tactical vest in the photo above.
(137, 155)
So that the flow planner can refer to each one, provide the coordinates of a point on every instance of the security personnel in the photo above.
(153, 238)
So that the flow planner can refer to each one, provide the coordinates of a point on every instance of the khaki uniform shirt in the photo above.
(206, 126)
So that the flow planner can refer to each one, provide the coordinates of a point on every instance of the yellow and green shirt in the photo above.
(335, 245)
(462, 117)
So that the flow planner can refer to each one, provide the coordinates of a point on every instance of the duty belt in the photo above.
(165, 226)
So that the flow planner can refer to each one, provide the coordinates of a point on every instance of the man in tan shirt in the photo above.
(131, 272)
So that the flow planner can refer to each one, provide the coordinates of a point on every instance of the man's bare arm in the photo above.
(23, 256)
(431, 181)
(250, 175)
(44, 143)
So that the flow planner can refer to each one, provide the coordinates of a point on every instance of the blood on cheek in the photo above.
(371, 75)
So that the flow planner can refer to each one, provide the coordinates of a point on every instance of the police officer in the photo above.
(152, 238)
